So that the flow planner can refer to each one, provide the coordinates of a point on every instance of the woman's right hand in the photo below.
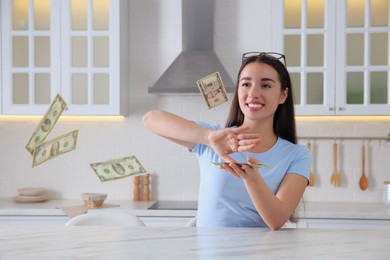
(231, 140)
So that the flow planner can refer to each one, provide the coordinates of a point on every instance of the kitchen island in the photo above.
(190, 243)
(311, 214)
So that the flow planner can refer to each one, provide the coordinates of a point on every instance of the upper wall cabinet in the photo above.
(337, 53)
(73, 47)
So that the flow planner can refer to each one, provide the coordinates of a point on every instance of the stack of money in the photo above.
(252, 165)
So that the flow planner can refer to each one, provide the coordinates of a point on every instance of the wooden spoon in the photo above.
(311, 178)
(335, 178)
(363, 183)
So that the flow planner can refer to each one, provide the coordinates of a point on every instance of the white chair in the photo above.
(105, 219)
(191, 223)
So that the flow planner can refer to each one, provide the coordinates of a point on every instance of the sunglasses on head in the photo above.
(271, 55)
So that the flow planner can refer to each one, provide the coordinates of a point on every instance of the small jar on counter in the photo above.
(386, 193)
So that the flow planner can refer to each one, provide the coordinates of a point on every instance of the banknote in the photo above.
(213, 90)
(118, 168)
(47, 123)
(55, 147)
(253, 165)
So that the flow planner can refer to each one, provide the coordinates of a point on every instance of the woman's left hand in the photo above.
(230, 140)
(244, 172)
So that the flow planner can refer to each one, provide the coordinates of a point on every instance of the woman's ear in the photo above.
(283, 96)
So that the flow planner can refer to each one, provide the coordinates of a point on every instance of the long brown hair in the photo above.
(284, 120)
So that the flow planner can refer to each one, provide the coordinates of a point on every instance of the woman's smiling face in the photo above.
(260, 91)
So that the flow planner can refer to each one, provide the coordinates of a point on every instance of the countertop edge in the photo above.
(310, 210)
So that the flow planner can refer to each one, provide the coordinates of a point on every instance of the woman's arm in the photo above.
(176, 128)
(188, 133)
(275, 209)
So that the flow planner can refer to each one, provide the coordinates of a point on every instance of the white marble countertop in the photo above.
(190, 243)
(337, 210)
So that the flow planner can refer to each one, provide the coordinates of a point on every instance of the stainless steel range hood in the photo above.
(198, 58)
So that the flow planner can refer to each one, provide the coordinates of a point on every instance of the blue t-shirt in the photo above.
(223, 198)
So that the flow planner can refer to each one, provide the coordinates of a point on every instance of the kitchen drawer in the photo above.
(166, 221)
(344, 223)
(33, 220)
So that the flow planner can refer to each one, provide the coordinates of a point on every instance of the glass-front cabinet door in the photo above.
(71, 47)
(364, 69)
(337, 53)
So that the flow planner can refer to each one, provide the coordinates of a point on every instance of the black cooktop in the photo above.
(175, 205)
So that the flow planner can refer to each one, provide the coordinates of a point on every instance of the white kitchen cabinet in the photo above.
(337, 53)
(165, 221)
(153, 221)
(73, 47)
(290, 225)
(344, 223)
(59, 220)
(150, 221)
(33, 220)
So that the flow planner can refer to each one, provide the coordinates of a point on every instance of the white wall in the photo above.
(155, 41)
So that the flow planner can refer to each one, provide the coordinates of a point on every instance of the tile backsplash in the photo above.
(154, 43)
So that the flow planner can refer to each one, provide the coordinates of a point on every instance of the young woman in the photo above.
(259, 128)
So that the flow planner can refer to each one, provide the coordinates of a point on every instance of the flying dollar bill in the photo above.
(55, 147)
(47, 123)
(252, 165)
(212, 89)
(118, 168)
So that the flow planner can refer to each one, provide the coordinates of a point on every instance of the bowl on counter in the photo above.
(31, 191)
(31, 194)
(93, 200)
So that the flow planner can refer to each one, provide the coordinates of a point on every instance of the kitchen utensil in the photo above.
(93, 200)
(335, 179)
(31, 195)
(145, 187)
(34, 198)
(137, 190)
(311, 178)
(363, 183)
(31, 191)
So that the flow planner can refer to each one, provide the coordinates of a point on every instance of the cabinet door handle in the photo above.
(341, 108)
